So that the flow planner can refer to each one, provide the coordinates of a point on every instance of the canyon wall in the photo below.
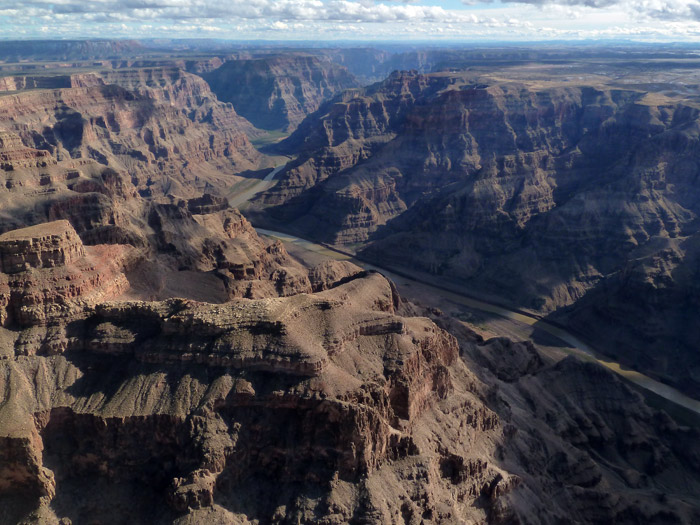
(162, 126)
(532, 195)
(277, 92)
(336, 406)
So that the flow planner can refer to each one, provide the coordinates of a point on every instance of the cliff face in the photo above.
(252, 368)
(277, 92)
(194, 247)
(102, 152)
(333, 407)
(645, 314)
(403, 141)
(48, 275)
(163, 126)
(534, 195)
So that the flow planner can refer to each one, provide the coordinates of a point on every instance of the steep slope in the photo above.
(646, 313)
(530, 193)
(329, 407)
(195, 247)
(162, 126)
(277, 92)
(48, 276)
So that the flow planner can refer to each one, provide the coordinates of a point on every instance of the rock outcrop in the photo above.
(327, 407)
(225, 243)
(292, 361)
(42, 246)
(49, 277)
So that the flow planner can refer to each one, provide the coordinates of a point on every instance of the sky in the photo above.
(366, 20)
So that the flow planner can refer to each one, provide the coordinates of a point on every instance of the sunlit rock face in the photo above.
(161, 125)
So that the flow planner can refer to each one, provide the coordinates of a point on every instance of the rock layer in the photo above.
(42, 246)
(52, 276)
(330, 407)
(163, 126)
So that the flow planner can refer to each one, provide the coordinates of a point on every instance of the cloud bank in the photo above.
(359, 19)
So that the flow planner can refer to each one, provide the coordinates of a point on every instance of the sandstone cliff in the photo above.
(163, 126)
(49, 277)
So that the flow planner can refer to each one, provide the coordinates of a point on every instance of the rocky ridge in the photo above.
(195, 247)
(346, 403)
(49, 277)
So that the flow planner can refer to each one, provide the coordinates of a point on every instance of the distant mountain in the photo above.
(41, 50)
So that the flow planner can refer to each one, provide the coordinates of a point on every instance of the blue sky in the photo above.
(644, 20)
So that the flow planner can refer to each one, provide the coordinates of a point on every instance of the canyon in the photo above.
(278, 92)
(531, 193)
(161, 361)
(159, 125)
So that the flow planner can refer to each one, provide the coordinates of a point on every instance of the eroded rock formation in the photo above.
(161, 125)
(186, 244)
(536, 194)
(48, 276)
(277, 92)
(330, 406)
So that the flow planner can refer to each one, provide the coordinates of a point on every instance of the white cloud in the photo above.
(390, 19)
(680, 10)
(332, 10)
